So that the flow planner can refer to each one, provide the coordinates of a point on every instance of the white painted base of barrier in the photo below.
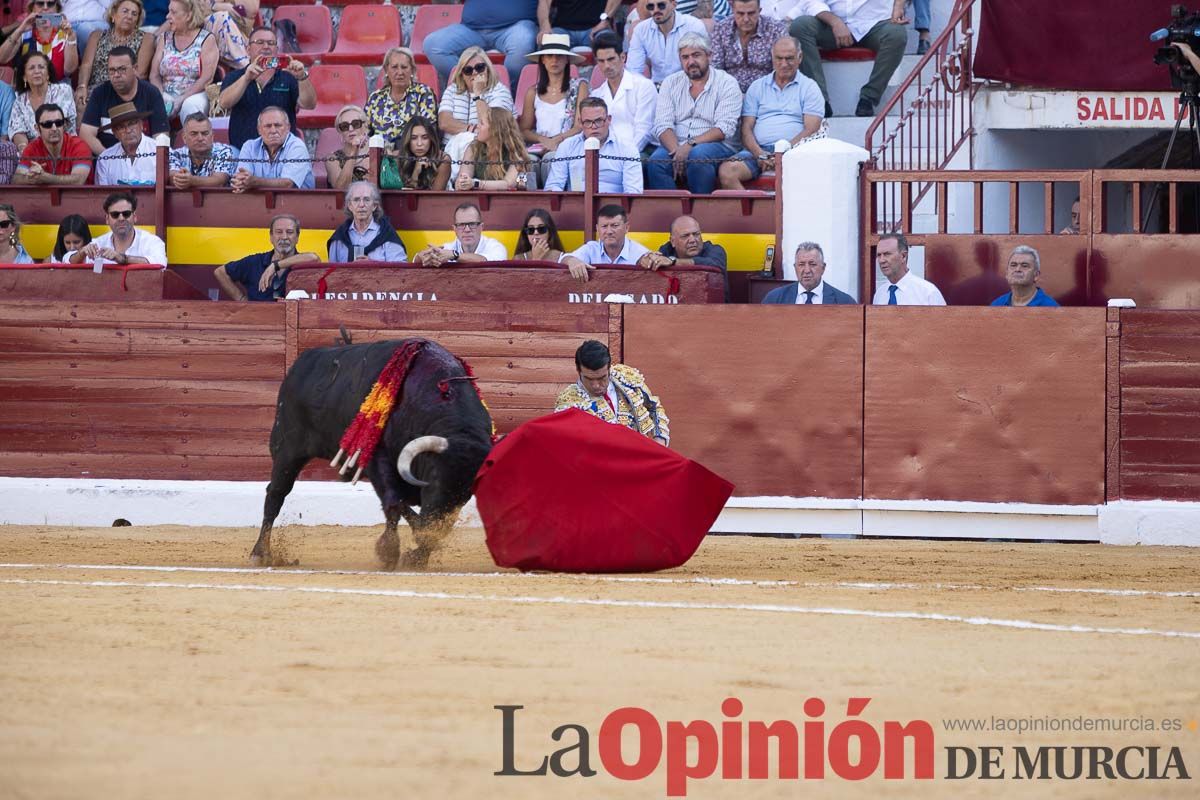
(97, 502)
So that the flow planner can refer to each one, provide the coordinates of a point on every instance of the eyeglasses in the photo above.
(592, 123)
(47, 124)
(354, 123)
(467, 225)
(475, 70)
(5, 224)
(125, 214)
(535, 229)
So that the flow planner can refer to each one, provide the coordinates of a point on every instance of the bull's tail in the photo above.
(422, 444)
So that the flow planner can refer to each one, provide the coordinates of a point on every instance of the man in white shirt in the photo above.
(631, 98)
(657, 40)
(878, 25)
(612, 245)
(902, 288)
(620, 167)
(469, 246)
(124, 243)
(131, 160)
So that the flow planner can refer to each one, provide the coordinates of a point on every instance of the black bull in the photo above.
(321, 396)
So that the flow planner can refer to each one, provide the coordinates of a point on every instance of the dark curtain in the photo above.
(1073, 44)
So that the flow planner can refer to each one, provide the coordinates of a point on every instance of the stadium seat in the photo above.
(336, 86)
(426, 74)
(328, 141)
(848, 54)
(314, 30)
(428, 20)
(529, 77)
(365, 34)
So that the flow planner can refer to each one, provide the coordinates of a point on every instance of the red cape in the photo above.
(571, 493)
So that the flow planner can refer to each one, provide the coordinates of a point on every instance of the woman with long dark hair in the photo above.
(550, 111)
(73, 234)
(539, 239)
(419, 159)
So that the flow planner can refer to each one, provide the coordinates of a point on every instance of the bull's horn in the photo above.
(422, 444)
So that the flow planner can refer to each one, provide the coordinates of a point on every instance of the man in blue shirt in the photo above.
(615, 176)
(506, 25)
(277, 159)
(201, 161)
(1024, 269)
(246, 92)
(612, 245)
(262, 276)
(783, 105)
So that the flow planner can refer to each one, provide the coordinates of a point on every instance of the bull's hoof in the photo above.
(387, 550)
(256, 560)
(416, 559)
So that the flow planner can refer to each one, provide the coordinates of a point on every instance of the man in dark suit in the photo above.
(811, 289)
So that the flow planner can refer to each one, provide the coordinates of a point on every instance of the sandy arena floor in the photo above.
(335, 681)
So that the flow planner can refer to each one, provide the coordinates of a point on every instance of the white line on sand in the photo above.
(708, 581)
(655, 604)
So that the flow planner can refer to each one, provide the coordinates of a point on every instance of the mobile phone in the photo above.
(768, 270)
(274, 62)
(53, 20)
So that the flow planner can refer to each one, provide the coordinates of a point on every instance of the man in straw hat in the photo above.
(130, 161)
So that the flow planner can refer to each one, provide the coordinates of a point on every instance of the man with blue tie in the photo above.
(811, 288)
(902, 288)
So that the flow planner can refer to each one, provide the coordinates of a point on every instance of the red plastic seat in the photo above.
(848, 54)
(327, 142)
(426, 74)
(314, 30)
(336, 86)
(529, 77)
(764, 182)
(365, 34)
(428, 20)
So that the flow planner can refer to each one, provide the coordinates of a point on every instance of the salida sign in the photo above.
(1129, 108)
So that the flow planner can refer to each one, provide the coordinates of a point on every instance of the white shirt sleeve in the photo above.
(492, 250)
(646, 97)
(153, 249)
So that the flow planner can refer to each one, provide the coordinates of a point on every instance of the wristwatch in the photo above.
(604, 16)
(475, 183)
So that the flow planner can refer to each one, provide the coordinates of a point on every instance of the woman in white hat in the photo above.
(549, 110)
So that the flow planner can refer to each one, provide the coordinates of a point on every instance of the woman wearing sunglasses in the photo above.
(45, 30)
(351, 162)
(35, 85)
(539, 240)
(11, 250)
(474, 87)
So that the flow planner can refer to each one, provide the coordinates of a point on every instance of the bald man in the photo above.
(687, 247)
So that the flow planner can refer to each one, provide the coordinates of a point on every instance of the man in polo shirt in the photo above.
(246, 92)
(658, 43)
(612, 245)
(1024, 269)
(631, 98)
(277, 159)
(124, 243)
(122, 86)
(616, 176)
(783, 105)
(469, 245)
(688, 247)
(131, 161)
(201, 161)
(259, 276)
(55, 157)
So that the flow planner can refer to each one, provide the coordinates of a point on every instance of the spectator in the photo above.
(469, 245)
(35, 85)
(579, 20)
(246, 92)
(659, 43)
(921, 18)
(201, 161)
(37, 33)
(539, 239)
(352, 161)
(636, 16)
(231, 24)
(419, 162)
(810, 272)
(475, 88)
(129, 162)
(506, 25)
(742, 44)
(11, 249)
(1024, 270)
(696, 121)
(125, 18)
(631, 98)
(73, 234)
(1074, 226)
(620, 167)
(124, 243)
(156, 14)
(185, 60)
(263, 276)
(877, 25)
(550, 108)
(277, 159)
(718, 10)
(687, 247)
(784, 105)
(55, 157)
(902, 287)
(497, 160)
(87, 17)
(367, 234)
(615, 393)
(7, 98)
(390, 107)
(123, 86)
(612, 245)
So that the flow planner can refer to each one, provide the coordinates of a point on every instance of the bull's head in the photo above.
(422, 444)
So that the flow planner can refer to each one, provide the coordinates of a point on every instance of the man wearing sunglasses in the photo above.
(469, 245)
(55, 157)
(620, 166)
(124, 243)
(246, 92)
(659, 43)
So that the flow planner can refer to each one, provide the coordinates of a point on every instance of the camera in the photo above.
(1183, 28)
(53, 20)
